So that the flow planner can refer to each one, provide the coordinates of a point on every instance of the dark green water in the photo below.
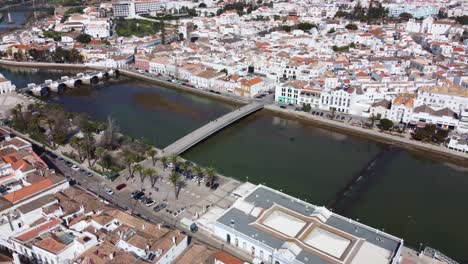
(419, 199)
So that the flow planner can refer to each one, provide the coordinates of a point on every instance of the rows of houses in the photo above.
(45, 220)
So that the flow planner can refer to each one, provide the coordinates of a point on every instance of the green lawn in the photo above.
(136, 27)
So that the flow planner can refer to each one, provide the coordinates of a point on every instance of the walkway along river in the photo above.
(406, 194)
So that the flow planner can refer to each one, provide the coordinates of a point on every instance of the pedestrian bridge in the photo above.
(68, 82)
(211, 128)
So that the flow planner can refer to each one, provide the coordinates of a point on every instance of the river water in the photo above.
(407, 195)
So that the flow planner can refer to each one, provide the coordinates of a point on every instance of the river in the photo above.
(407, 195)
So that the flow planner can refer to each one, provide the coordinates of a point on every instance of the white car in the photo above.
(74, 167)
(170, 165)
(108, 191)
(150, 202)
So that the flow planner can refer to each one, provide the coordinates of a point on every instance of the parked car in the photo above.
(89, 174)
(159, 207)
(284, 107)
(120, 186)
(150, 202)
(215, 186)
(170, 165)
(108, 191)
(76, 168)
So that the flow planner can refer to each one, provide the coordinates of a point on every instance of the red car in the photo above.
(120, 186)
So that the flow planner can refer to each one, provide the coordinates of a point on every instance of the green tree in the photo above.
(287, 28)
(212, 175)
(306, 107)
(176, 181)
(164, 160)
(198, 172)
(151, 153)
(163, 32)
(306, 26)
(386, 124)
(151, 173)
(138, 169)
(372, 120)
(406, 16)
(462, 20)
(83, 38)
(129, 158)
(351, 27)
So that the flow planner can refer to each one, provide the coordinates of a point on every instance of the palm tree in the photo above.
(138, 169)
(151, 173)
(145, 173)
(99, 153)
(372, 119)
(129, 158)
(164, 160)
(199, 172)
(185, 167)
(151, 153)
(212, 175)
(76, 143)
(176, 180)
(174, 159)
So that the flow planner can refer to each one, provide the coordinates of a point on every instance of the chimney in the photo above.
(174, 240)
(111, 255)
(143, 226)
(159, 226)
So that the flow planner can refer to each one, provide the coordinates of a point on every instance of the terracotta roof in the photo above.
(37, 230)
(226, 258)
(51, 245)
(28, 191)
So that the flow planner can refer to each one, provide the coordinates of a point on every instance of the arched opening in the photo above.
(77, 83)
(117, 73)
(45, 91)
(228, 238)
(105, 76)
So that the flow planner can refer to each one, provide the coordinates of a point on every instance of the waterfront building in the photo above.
(458, 143)
(438, 97)
(276, 228)
(6, 85)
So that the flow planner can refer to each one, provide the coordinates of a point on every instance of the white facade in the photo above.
(6, 85)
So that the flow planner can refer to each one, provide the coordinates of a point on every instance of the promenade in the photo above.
(373, 134)
(209, 129)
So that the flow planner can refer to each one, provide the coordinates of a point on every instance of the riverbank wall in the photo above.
(401, 142)
(426, 149)
(191, 90)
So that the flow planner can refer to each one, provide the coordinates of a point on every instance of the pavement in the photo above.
(10, 100)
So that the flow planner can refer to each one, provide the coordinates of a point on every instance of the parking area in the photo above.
(195, 195)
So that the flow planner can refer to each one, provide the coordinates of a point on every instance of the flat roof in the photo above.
(308, 233)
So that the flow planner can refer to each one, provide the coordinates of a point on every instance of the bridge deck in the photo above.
(212, 127)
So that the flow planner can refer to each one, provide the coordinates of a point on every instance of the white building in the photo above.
(6, 85)
(276, 228)
(98, 28)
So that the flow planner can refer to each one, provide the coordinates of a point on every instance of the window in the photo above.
(236, 242)
(244, 245)
(253, 250)
(261, 254)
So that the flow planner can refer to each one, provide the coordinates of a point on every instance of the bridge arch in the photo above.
(61, 87)
(45, 91)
